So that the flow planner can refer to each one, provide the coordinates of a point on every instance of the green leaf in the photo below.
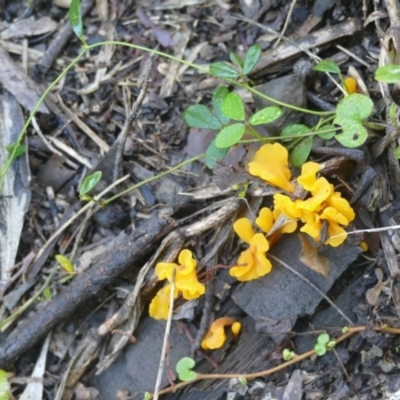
(323, 338)
(251, 58)
(223, 70)
(199, 116)
(397, 152)
(266, 115)
(21, 149)
(90, 182)
(388, 74)
(236, 59)
(147, 396)
(232, 107)
(327, 66)
(354, 134)
(294, 130)
(65, 263)
(287, 354)
(217, 98)
(75, 18)
(5, 387)
(392, 113)
(214, 153)
(229, 135)
(327, 135)
(243, 381)
(350, 113)
(320, 349)
(47, 293)
(355, 107)
(331, 344)
(301, 152)
(184, 369)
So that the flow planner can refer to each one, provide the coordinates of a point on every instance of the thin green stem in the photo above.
(28, 303)
(32, 114)
(153, 178)
(86, 48)
(252, 131)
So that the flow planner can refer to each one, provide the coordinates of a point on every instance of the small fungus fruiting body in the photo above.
(216, 336)
(186, 283)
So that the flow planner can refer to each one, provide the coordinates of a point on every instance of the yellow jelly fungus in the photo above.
(350, 85)
(216, 337)
(159, 306)
(289, 227)
(186, 283)
(252, 263)
(185, 279)
(236, 327)
(320, 191)
(266, 220)
(270, 163)
(341, 205)
(364, 245)
(308, 175)
(324, 204)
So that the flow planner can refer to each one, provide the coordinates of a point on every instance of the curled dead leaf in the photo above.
(310, 256)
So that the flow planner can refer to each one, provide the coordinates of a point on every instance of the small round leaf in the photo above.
(301, 152)
(229, 135)
(251, 58)
(214, 153)
(236, 59)
(327, 135)
(353, 135)
(287, 354)
(388, 73)
(65, 263)
(184, 369)
(355, 107)
(199, 116)
(18, 148)
(223, 70)
(217, 98)
(320, 349)
(294, 130)
(350, 112)
(323, 338)
(327, 66)
(266, 115)
(75, 17)
(90, 182)
(232, 107)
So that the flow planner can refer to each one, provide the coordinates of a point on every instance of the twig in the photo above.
(352, 331)
(166, 337)
(289, 15)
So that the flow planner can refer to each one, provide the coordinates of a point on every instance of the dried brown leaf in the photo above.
(310, 256)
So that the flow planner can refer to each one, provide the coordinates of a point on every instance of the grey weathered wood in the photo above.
(16, 196)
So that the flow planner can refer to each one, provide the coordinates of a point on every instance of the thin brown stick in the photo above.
(352, 331)
(288, 17)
